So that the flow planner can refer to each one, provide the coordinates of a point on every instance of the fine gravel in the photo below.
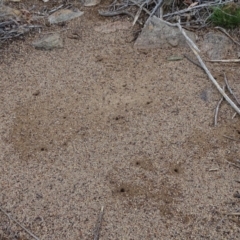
(99, 123)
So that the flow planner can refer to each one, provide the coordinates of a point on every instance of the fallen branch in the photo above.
(10, 218)
(233, 105)
(194, 47)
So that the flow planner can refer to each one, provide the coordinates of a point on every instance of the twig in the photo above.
(192, 61)
(225, 32)
(233, 105)
(231, 138)
(233, 214)
(225, 60)
(137, 15)
(98, 224)
(189, 40)
(229, 89)
(156, 8)
(217, 108)
(233, 164)
(211, 4)
(234, 115)
(143, 8)
(19, 224)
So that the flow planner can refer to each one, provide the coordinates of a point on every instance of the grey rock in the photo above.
(6, 12)
(49, 42)
(64, 15)
(88, 3)
(216, 45)
(157, 34)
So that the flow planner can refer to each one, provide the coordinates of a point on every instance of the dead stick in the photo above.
(217, 108)
(189, 40)
(225, 32)
(233, 164)
(229, 88)
(211, 4)
(192, 61)
(233, 214)
(225, 60)
(233, 105)
(98, 225)
(19, 224)
(231, 138)
(148, 12)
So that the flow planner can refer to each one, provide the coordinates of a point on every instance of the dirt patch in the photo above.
(101, 123)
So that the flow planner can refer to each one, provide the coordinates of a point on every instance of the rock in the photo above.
(89, 3)
(113, 27)
(216, 46)
(49, 42)
(157, 34)
(6, 12)
(64, 15)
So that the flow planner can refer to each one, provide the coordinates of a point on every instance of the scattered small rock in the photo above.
(217, 46)
(89, 3)
(157, 34)
(113, 27)
(64, 15)
(49, 42)
(36, 93)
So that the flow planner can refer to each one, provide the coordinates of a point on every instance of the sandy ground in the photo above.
(99, 123)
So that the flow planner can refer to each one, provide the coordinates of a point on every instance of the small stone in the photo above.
(36, 93)
(49, 42)
(64, 15)
(89, 3)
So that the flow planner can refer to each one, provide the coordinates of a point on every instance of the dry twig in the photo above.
(233, 164)
(195, 50)
(217, 108)
(233, 105)
(225, 60)
(231, 138)
(11, 218)
(225, 32)
(229, 89)
(192, 61)
(98, 224)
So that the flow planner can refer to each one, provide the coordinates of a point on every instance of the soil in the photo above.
(100, 123)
